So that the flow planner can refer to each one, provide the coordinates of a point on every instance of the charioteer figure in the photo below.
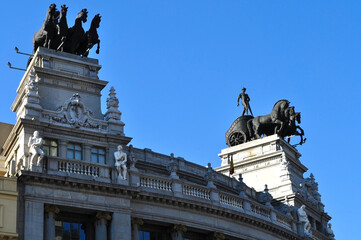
(245, 102)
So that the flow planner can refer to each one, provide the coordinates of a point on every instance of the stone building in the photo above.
(61, 153)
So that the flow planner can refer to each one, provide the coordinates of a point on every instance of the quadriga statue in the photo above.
(55, 34)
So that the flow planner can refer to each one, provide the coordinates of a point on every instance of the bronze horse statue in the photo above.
(269, 124)
(61, 29)
(47, 32)
(91, 39)
(291, 128)
(76, 34)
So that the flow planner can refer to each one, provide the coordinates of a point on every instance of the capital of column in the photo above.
(51, 209)
(218, 236)
(103, 215)
(137, 221)
(179, 228)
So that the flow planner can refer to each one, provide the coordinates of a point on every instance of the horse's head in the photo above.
(96, 20)
(64, 10)
(52, 9)
(83, 15)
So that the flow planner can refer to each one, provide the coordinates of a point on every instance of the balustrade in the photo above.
(78, 168)
(196, 192)
(155, 183)
(231, 201)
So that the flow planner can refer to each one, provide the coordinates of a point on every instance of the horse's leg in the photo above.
(97, 51)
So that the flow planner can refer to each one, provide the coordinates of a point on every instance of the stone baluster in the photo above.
(136, 222)
(50, 210)
(101, 225)
(177, 231)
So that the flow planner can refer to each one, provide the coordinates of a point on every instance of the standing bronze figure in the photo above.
(245, 102)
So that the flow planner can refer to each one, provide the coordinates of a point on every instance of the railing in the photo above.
(316, 235)
(263, 211)
(231, 201)
(78, 168)
(155, 183)
(196, 192)
(284, 220)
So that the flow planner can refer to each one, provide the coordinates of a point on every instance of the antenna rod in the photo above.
(22, 69)
(17, 51)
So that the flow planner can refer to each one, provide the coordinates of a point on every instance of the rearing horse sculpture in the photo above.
(271, 123)
(61, 30)
(76, 34)
(92, 38)
(47, 32)
(292, 127)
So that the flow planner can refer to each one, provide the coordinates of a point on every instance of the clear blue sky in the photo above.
(178, 67)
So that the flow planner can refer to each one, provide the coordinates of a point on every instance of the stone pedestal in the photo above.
(270, 161)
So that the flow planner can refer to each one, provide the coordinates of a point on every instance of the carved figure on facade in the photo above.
(75, 113)
(131, 157)
(10, 167)
(121, 163)
(302, 217)
(36, 152)
(245, 102)
(173, 167)
(308, 190)
(329, 232)
(210, 175)
(55, 33)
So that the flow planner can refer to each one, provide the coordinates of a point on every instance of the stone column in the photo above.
(62, 148)
(87, 153)
(121, 226)
(51, 210)
(177, 231)
(136, 222)
(34, 220)
(101, 225)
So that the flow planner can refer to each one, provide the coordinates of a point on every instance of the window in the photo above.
(69, 230)
(74, 151)
(50, 147)
(98, 155)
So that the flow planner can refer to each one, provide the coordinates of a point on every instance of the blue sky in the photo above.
(178, 67)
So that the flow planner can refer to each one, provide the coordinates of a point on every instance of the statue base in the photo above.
(35, 168)
(269, 160)
(122, 181)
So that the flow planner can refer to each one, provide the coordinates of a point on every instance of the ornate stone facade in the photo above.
(162, 197)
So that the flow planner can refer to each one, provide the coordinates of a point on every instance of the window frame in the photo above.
(98, 154)
(74, 150)
(47, 147)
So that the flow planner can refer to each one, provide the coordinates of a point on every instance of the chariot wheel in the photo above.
(237, 138)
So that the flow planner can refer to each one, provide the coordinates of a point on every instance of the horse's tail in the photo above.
(250, 128)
